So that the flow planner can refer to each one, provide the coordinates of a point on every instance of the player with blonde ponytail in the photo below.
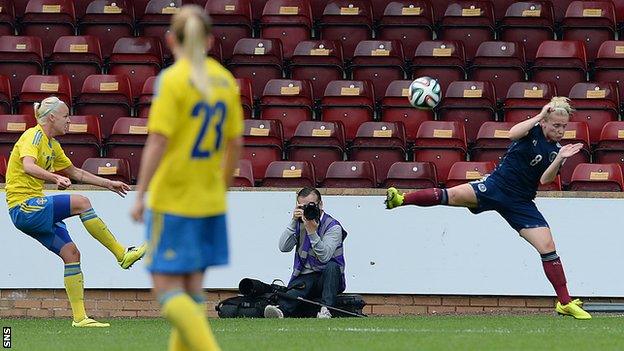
(36, 158)
(195, 127)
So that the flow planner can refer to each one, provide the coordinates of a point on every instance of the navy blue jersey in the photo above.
(524, 163)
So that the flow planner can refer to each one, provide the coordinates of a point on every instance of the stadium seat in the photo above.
(289, 174)
(555, 185)
(442, 59)
(350, 102)
(525, 100)
(441, 143)
(257, 6)
(499, 62)
(530, 23)
(289, 101)
(246, 96)
(395, 107)
(6, 96)
(243, 174)
(76, 57)
(492, 142)
(108, 20)
(470, 102)
(11, 128)
(259, 60)
(610, 147)
(576, 132)
(138, 59)
(3, 169)
(7, 18)
(106, 96)
(155, 21)
(111, 168)
(287, 20)
(350, 174)
(48, 20)
(591, 22)
(560, 7)
(409, 21)
(562, 62)
(319, 143)
(597, 177)
(348, 22)
(20, 57)
(381, 143)
(263, 144)
(318, 61)
(378, 61)
(126, 141)
(463, 172)
(83, 139)
(145, 97)
(609, 64)
(231, 21)
(38, 87)
(411, 175)
(596, 104)
(470, 21)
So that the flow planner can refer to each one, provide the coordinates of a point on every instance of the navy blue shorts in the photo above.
(519, 213)
(42, 219)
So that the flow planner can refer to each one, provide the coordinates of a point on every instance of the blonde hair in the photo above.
(191, 26)
(47, 106)
(561, 105)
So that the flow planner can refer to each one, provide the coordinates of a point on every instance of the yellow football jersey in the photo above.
(48, 154)
(189, 180)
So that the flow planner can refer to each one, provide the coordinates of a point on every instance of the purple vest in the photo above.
(304, 255)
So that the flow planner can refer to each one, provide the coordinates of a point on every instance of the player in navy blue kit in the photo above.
(534, 157)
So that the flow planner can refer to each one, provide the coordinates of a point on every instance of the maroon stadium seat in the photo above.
(6, 96)
(76, 57)
(7, 18)
(37, 88)
(610, 147)
(591, 22)
(562, 62)
(528, 22)
(596, 104)
(20, 57)
(499, 62)
(576, 132)
(287, 20)
(108, 20)
(111, 168)
(231, 21)
(319, 61)
(470, 21)
(126, 141)
(246, 96)
(463, 172)
(442, 59)
(243, 174)
(441, 143)
(48, 20)
(379, 61)
(83, 139)
(409, 21)
(156, 20)
(347, 21)
(492, 142)
(138, 59)
(259, 60)
(11, 128)
(289, 101)
(263, 144)
(597, 177)
(395, 107)
(350, 102)
(145, 97)
(525, 100)
(289, 174)
(411, 175)
(609, 64)
(350, 174)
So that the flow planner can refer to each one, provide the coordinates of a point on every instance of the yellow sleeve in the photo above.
(162, 115)
(28, 145)
(61, 161)
(234, 119)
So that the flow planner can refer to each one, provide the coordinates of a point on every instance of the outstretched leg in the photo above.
(461, 196)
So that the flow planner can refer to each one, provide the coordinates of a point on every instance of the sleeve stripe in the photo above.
(37, 138)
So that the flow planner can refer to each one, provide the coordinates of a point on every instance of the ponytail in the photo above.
(195, 50)
(47, 106)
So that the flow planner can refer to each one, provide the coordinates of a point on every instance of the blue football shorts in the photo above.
(42, 219)
(518, 212)
(183, 245)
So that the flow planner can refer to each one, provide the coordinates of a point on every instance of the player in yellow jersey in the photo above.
(195, 126)
(37, 157)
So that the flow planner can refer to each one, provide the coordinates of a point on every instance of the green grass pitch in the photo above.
(483, 332)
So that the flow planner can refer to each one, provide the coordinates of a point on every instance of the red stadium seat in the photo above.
(126, 141)
(381, 143)
(6, 96)
(555, 185)
(76, 57)
(319, 143)
(263, 144)
(597, 177)
(596, 104)
(20, 57)
(526, 99)
(287, 20)
(243, 174)
(501, 63)
(246, 96)
(591, 22)
(470, 21)
(562, 62)
(145, 98)
(442, 59)
(464, 172)
(231, 21)
(610, 147)
(441, 143)
(528, 22)
(470, 102)
(110, 168)
(347, 21)
(3, 169)
(83, 139)
(349, 102)
(609, 64)
(259, 60)
(318, 61)
(289, 101)
(576, 132)
(378, 61)
(411, 175)
(410, 21)
(37, 88)
(289, 174)
(108, 20)
(11, 128)
(138, 59)
(492, 142)
(395, 107)
(106, 96)
(156, 20)
(7, 18)
(350, 174)
(48, 20)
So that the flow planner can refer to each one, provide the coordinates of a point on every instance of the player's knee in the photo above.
(80, 203)
(549, 246)
(70, 253)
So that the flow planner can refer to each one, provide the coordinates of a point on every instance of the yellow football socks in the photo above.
(189, 320)
(98, 229)
(75, 290)
(175, 341)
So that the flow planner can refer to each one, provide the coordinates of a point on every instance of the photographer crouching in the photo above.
(318, 269)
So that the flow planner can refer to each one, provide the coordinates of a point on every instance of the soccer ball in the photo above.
(424, 93)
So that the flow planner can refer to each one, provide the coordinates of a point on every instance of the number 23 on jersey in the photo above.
(207, 113)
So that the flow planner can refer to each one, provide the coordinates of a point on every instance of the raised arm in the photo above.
(521, 129)
(566, 151)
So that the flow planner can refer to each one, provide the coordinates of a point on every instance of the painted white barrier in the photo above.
(413, 250)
